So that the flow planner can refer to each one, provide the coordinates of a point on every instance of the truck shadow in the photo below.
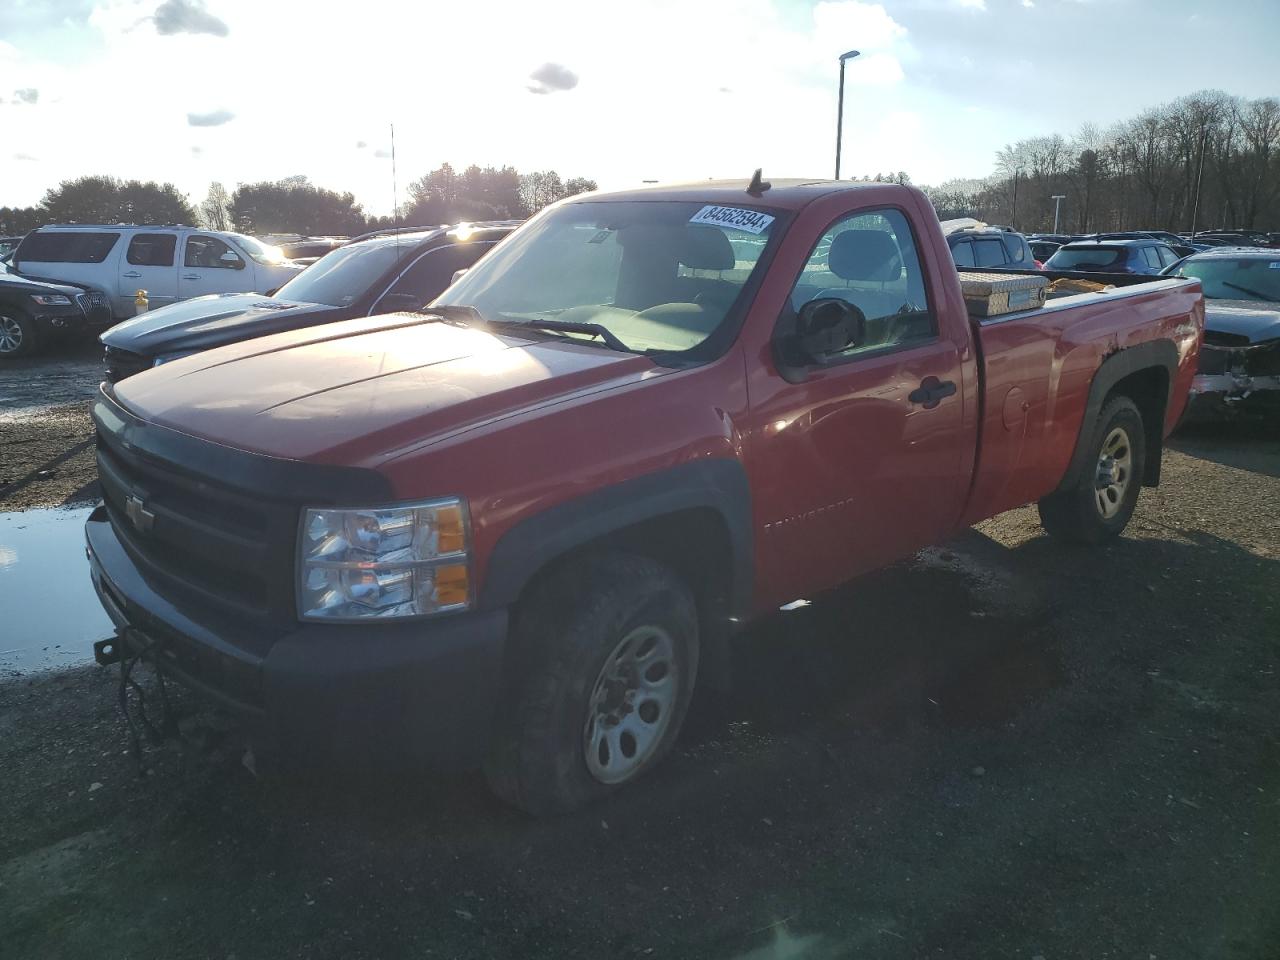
(1252, 445)
(962, 639)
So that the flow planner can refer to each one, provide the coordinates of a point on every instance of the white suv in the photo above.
(171, 263)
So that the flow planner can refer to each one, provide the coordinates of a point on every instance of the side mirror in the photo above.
(457, 275)
(231, 260)
(395, 302)
(828, 326)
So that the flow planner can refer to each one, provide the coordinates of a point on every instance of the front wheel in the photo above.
(17, 334)
(603, 658)
(1099, 506)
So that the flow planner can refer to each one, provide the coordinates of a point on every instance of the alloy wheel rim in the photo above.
(631, 705)
(1115, 470)
(10, 334)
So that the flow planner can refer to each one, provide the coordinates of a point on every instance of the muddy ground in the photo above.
(46, 446)
(1006, 748)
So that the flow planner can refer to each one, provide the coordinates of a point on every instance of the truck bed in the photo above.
(1037, 367)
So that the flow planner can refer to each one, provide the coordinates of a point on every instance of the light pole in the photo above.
(1016, 171)
(840, 108)
(1195, 210)
(1057, 199)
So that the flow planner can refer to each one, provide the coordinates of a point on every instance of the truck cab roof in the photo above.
(789, 194)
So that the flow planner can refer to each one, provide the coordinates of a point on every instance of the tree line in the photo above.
(1205, 160)
(295, 205)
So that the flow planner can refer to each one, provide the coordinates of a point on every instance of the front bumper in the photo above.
(423, 690)
(60, 319)
(1235, 377)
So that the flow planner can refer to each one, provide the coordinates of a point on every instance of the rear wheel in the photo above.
(17, 334)
(1099, 506)
(602, 665)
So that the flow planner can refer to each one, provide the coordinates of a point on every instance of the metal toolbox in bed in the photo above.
(993, 294)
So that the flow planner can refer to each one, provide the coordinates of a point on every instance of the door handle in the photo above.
(132, 274)
(191, 276)
(932, 392)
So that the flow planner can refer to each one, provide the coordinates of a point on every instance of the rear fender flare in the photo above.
(1154, 354)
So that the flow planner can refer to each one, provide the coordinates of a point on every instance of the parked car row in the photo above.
(381, 272)
(170, 263)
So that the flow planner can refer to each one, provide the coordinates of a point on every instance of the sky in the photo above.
(191, 91)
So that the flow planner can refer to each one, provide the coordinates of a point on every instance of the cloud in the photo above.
(1028, 3)
(551, 77)
(196, 151)
(382, 154)
(26, 95)
(360, 144)
(214, 118)
(24, 156)
(972, 4)
(187, 16)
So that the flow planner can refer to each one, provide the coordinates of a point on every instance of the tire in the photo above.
(1092, 514)
(604, 650)
(18, 336)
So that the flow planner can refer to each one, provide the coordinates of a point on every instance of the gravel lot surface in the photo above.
(46, 447)
(1006, 748)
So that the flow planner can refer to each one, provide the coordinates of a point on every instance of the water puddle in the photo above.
(49, 614)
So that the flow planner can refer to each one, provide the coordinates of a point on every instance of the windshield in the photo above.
(1086, 258)
(343, 276)
(262, 252)
(1243, 278)
(657, 275)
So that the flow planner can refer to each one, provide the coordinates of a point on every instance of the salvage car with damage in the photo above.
(1240, 361)
(518, 528)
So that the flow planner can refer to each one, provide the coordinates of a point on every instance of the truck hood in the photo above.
(211, 321)
(361, 392)
(1259, 320)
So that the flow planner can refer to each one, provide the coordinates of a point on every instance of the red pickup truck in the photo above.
(517, 527)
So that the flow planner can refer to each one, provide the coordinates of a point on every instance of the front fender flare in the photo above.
(716, 484)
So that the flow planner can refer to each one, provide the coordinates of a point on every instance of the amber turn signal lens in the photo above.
(452, 584)
(450, 530)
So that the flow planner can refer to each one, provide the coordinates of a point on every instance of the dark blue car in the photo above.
(1113, 256)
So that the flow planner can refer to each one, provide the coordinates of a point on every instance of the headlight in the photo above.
(51, 299)
(403, 561)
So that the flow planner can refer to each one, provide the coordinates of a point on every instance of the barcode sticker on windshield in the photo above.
(735, 218)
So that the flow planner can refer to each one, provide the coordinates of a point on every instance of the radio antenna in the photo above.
(395, 190)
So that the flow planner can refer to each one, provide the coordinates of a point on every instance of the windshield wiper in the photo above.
(454, 312)
(568, 326)
(1252, 293)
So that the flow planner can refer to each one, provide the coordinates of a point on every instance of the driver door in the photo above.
(209, 265)
(855, 466)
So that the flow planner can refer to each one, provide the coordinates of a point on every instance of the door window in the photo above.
(962, 253)
(1152, 258)
(989, 253)
(870, 261)
(152, 249)
(208, 252)
(428, 277)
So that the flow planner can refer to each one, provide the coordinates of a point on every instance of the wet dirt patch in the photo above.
(47, 459)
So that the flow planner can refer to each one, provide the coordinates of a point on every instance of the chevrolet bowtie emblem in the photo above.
(136, 510)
